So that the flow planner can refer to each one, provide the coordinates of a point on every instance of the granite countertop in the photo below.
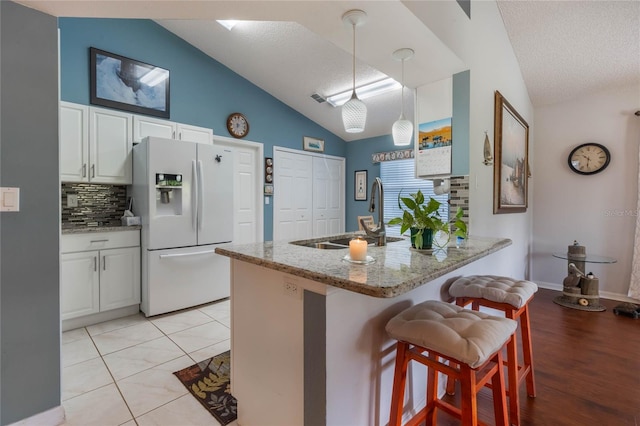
(397, 269)
(98, 228)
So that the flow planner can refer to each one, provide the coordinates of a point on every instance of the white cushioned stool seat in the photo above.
(469, 336)
(495, 288)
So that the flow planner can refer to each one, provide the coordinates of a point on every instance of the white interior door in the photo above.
(248, 172)
(292, 199)
(328, 196)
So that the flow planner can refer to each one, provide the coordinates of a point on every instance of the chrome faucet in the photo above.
(379, 231)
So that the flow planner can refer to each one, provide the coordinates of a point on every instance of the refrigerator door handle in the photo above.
(194, 195)
(200, 195)
(164, 256)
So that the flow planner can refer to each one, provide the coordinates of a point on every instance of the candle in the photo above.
(358, 249)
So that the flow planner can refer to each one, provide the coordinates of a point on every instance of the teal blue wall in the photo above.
(203, 91)
(358, 155)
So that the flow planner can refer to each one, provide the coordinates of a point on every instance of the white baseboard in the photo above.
(53, 416)
(603, 294)
(72, 324)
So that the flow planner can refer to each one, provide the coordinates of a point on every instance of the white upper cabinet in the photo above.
(110, 146)
(74, 142)
(95, 145)
(187, 132)
(147, 126)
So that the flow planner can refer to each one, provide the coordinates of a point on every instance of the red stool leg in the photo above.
(432, 395)
(499, 394)
(399, 382)
(468, 401)
(527, 351)
(512, 368)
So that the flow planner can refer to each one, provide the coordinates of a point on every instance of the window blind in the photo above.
(399, 176)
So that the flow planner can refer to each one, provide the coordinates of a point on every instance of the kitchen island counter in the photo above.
(308, 339)
(396, 270)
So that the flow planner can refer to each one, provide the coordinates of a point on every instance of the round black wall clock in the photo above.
(589, 158)
(237, 125)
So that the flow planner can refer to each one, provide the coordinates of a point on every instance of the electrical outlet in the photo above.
(72, 200)
(290, 289)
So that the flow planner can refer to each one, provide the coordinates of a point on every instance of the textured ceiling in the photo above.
(568, 48)
(293, 49)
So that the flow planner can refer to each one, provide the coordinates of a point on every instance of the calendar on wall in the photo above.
(433, 157)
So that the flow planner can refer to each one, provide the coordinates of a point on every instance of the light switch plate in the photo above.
(10, 199)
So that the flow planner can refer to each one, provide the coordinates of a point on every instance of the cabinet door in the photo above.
(110, 146)
(292, 202)
(146, 126)
(79, 284)
(119, 278)
(196, 134)
(74, 142)
(328, 196)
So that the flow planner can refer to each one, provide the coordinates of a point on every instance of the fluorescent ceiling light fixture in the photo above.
(154, 77)
(368, 90)
(228, 23)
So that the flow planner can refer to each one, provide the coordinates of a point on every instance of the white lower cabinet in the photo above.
(99, 272)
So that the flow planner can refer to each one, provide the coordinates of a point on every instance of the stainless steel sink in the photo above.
(338, 243)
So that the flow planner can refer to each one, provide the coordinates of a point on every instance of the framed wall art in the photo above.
(312, 144)
(127, 84)
(510, 180)
(360, 189)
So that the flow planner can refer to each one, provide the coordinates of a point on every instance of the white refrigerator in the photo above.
(183, 192)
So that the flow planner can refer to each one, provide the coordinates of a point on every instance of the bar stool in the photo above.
(511, 296)
(461, 343)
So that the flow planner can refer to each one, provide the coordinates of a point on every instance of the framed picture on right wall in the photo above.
(510, 166)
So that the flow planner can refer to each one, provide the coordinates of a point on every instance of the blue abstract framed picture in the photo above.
(130, 85)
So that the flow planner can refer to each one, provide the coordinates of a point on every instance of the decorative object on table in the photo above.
(579, 290)
(360, 185)
(237, 125)
(488, 158)
(268, 170)
(312, 144)
(126, 84)
(628, 310)
(421, 217)
(589, 158)
(460, 229)
(354, 112)
(402, 129)
(358, 249)
(209, 382)
(510, 183)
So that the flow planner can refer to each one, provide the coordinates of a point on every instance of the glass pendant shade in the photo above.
(354, 115)
(354, 112)
(402, 131)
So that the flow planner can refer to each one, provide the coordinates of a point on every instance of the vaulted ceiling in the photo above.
(293, 49)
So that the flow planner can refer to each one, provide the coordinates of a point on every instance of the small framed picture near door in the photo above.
(312, 144)
(360, 185)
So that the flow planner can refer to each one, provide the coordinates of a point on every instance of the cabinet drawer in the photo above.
(99, 241)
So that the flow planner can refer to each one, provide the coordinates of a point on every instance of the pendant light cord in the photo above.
(402, 92)
(354, 58)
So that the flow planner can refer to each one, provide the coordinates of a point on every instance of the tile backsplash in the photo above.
(459, 197)
(98, 204)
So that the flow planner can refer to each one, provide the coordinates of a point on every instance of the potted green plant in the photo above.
(461, 233)
(421, 217)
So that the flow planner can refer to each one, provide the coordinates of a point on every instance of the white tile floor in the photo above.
(120, 372)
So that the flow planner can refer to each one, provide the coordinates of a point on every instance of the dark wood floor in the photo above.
(587, 368)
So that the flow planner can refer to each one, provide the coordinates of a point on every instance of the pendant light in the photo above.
(354, 112)
(402, 129)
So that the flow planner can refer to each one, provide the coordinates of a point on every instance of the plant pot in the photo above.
(427, 239)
